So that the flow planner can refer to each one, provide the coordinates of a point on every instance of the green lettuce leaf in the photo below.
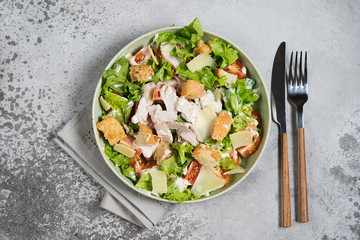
(117, 102)
(165, 37)
(239, 97)
(112, 77)
(121, 161)
(224, 146)
(240, 121)
(227, 163)
(173, 193)
(110, 152)
(162, 72)
(184, 151)
(184, 53)
(129, 172)
(205, 76)
(145, 182)
(223, 53)
(120, 81)
(170, 166)
(180, 119)
(193, 32)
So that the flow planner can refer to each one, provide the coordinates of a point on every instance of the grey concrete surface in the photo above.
(52, 54)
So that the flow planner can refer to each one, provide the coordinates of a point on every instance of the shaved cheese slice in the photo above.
(230, 78)
(207, 181)
(121, 148)
(241, 138)
(205, 123)
(165, 51)
(104, 104)
(238, 169)
(200, 61)
(159, 182)
(153, 56)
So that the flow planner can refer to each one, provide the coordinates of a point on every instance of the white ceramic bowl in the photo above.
(262, 105)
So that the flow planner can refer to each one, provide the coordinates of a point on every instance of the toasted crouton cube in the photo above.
(145, 136)
(207, 156)
(192, 89)
(112, 129)
(222, 126)
(201, 47)
(162, 152)
(230, 78)
(140, 73)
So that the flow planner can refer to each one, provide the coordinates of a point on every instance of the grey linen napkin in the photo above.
(77, 139)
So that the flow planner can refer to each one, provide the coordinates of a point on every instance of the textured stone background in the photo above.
(52, 54)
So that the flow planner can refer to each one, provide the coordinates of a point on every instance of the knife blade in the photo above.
(278, 85)
(278, 88)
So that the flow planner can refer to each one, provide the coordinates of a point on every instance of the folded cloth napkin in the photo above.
(77, 139)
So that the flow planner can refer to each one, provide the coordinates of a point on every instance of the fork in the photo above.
(297, 88)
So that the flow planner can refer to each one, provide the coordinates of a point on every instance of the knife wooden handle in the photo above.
(303, 201)
(285, 183)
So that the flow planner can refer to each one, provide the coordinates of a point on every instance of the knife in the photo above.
(278, 111)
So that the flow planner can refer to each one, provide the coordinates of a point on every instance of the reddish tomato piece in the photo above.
(256, 115)
(227, 178)
(129, 142)
(149, 164)
(234, 155)
(139, 57)
(220, 174)
(117, 93)
(136, 165)
(193, 172)
(156, 94)
(247, 151)
(179, 46)
(236, 68)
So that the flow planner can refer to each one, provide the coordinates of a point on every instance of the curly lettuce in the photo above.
(239, 97)
(205, 76)
(184, 151)
(145, 182)
(224, 53)
(193, 32)
(122, 162)
(170, 166)
(174, 194)
(227, 163)
(162, 72)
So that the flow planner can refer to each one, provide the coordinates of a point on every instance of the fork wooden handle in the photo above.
(303, 201)
(285, 183)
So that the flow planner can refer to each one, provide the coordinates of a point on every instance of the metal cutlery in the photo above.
(297, 89)
(278, 87)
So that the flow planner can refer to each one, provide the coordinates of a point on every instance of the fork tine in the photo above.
(305, 71)
(301, 81)
(291, 77)
(296, 83)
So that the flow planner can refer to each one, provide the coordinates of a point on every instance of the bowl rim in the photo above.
(265, 132)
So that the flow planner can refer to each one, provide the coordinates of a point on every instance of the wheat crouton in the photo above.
(162, 152)
(145, 136)
(192, 89)
(207, 156)
(112, 129)
(201, 47)
(230, 78)
(140, 73)
(222, 126)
